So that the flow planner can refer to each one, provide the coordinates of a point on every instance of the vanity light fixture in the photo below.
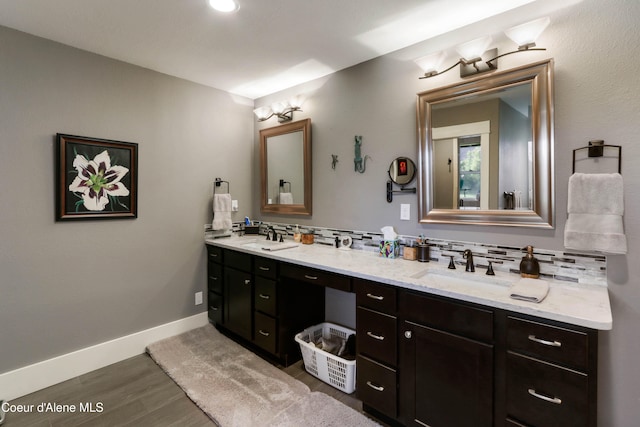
(226, 6)
(475, 59)
(282, 110)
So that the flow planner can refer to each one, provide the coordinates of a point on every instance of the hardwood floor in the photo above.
(133, 392)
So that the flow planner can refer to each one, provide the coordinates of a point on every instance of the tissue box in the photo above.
(390, 248)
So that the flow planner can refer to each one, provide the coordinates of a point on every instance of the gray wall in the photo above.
(596, 52)
(66, 286)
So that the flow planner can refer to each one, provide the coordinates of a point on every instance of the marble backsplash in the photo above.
(569, 266)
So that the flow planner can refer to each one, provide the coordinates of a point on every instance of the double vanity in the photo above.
(434, 346)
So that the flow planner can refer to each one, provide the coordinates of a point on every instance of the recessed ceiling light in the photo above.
(224, 5)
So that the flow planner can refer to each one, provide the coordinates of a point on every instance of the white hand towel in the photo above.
(595, 206)
(221, 212)
(532, 290)
(286, 198)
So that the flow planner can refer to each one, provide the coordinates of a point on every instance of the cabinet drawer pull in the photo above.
(377, 337)
(311, 277)
(247, 281)
(213, 278)
(407, 334)
(263, 296)
(213, 255)
(264, 268)
(545, 342)
(375, 387)
(261, 332)
(555, 400)
(213, 308)
(376, 297)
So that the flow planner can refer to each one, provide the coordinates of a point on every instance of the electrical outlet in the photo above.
(234, 205)
(198, 298)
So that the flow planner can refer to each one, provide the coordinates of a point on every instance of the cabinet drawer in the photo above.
(471, 322)
(215, 307)
(375, 296)
(214, 254)
(542, 394)
(214, 277)
(265, 332)
(551, 343)
(237, 260)
(318, 277)
(265, 267)
(376, 386)
(265, 296)
(377, 335)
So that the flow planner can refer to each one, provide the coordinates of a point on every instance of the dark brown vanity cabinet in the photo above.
(551, 371)
(238, 293)
(215, 305)
(258, 307)
(446, 363)
(377, 361)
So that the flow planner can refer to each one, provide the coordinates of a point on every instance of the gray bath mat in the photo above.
(236, 388)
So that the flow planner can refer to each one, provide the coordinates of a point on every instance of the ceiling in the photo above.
(264, 47)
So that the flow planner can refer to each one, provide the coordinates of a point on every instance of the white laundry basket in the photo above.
(333, 370)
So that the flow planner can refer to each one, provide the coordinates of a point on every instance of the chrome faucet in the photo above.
(469, 257)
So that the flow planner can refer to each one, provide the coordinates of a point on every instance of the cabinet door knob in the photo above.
(374, 336)
(247, 281)
(407, 334)
(555, 400)
(545, 342)
(376, 297)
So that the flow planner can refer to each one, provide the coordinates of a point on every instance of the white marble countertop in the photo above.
(583, 305)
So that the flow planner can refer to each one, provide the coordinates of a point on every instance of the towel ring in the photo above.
(282, 183)
(219, 182)
(596, 149)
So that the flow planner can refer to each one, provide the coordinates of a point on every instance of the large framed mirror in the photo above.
(486, 150)
(285, 163)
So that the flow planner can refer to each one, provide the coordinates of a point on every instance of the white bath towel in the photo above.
(286, 198)
(221, 212)
(532, 290)
(595, 207)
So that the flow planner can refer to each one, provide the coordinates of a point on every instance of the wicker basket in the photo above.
(333, 370)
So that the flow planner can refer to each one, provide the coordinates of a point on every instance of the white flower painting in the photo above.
(98, 181)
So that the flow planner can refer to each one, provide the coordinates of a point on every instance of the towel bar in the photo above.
(219, 182)
(596, 149)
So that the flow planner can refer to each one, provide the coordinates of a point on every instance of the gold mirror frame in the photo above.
(540, 75)
(265, 134)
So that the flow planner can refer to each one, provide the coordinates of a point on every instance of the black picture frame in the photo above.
(95, 178)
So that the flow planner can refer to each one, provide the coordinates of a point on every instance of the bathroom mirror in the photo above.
(402, 170)
(285, 163)
(486, 150)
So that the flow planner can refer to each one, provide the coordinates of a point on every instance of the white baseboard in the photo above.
(43, 374)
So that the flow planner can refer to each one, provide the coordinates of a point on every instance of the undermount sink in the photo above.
(462, 277)
(268, 245)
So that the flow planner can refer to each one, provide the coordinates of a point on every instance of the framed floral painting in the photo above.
(95, 178)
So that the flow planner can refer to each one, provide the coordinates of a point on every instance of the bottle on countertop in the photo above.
(529, 266)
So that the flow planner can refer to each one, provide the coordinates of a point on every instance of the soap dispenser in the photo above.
(529, 266)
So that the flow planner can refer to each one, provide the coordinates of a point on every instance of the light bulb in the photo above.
(224, 5)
